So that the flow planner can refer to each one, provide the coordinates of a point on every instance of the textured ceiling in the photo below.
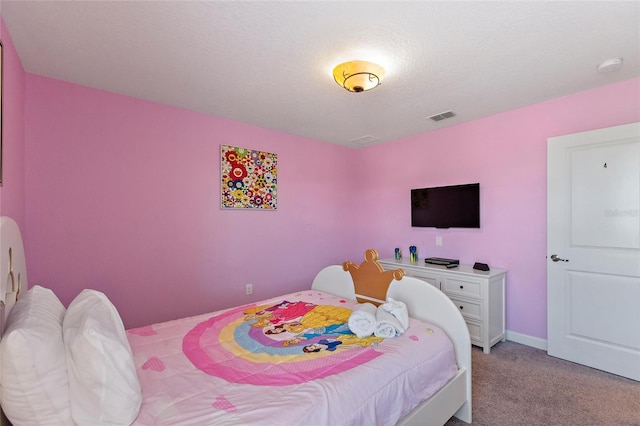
(269, 63)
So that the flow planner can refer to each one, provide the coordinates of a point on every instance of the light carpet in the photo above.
(519, 385)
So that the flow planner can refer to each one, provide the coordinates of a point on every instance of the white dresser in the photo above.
(479, 295)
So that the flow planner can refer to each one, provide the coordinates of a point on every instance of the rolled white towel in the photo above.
(387, 325)
(362, 321)
(399, 310)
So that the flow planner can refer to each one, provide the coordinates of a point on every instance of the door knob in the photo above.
(555, 258)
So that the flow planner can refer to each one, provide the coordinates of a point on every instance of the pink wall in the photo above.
(12, 190)
(506, 153)
(123, 196)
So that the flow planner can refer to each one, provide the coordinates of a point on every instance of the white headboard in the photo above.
(13, 267)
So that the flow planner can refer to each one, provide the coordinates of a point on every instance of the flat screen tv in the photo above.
(456, 206)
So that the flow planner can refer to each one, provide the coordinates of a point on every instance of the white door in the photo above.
(593, 249)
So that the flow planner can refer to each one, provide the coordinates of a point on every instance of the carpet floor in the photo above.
(518, 385)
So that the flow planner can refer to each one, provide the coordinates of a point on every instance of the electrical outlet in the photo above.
(439, 241)
(248, 289)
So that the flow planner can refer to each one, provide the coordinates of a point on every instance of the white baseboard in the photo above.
(525, 339)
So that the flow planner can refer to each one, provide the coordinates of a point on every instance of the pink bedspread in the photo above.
(249, 366)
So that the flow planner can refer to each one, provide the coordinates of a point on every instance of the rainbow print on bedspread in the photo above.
(284, 343)
(249, 366)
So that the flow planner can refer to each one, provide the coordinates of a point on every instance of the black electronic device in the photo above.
(442, 261)
(452, 265)
(456, 206)
(481, 266)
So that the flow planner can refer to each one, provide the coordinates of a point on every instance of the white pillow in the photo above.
(35, 389)
(103, 384)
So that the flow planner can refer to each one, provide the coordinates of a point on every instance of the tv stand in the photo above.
(479, 295)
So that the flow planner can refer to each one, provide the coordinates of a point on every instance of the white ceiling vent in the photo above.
(442, 116)
(365, 140)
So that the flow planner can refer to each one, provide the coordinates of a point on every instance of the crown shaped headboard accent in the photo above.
(370, 280)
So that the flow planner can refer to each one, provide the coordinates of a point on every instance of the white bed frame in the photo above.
(429, 304)
(13, 268)
(424, 302)
(13, 274)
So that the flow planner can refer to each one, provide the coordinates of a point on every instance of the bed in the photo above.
(285, 360)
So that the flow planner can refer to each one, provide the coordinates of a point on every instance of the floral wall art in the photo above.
(249, 178)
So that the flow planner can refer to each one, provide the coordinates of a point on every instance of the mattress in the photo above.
(248, 366)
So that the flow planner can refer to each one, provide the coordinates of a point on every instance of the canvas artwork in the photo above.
(249, 178)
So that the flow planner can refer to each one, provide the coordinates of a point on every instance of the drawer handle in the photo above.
(461, 287)
(461, 308)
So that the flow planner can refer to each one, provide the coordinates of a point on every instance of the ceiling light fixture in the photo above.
(358, 76)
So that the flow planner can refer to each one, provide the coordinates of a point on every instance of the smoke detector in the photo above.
(610, 65)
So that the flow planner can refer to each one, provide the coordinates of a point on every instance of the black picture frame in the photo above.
(1, 105)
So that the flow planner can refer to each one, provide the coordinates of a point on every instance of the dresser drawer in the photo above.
(471, 310)
(430, 279)
(475, 332)
(459, 287)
